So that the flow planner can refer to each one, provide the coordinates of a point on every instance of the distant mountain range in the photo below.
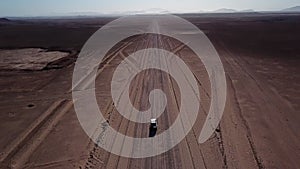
(247, 10)
(222, 10)
(292, 9)
(4, 20)
(226, 10)
(152, 11)
(148, 11)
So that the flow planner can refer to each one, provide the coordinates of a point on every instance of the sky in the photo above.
(62, 7)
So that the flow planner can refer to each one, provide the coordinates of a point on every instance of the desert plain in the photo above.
(259, 129)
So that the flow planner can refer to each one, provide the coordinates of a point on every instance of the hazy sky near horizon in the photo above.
(60, 7)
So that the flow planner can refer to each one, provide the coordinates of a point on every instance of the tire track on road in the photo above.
(91, 163)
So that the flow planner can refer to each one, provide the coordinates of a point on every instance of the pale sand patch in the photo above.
(28, 59)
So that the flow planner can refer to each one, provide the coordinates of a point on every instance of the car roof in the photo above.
(153, 120)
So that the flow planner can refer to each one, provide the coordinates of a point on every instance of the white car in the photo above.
(152, 127)
(153, 123)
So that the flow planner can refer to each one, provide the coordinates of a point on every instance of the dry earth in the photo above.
(259, 128)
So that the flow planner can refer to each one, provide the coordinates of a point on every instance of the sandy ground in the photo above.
(259, 128)
(28, 59)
